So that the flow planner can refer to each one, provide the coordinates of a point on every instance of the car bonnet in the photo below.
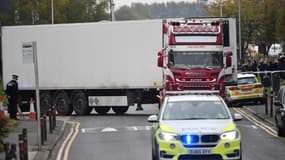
(197, 126)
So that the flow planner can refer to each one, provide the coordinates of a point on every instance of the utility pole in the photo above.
(239, 29)
(112, 9)
(221, 8)
(52, 14)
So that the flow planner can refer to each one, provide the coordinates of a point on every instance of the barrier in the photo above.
(32, 114)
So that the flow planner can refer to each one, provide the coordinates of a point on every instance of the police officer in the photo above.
(12, 93)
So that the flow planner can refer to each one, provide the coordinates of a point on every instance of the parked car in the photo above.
(279, 103)
(195, 127)
(248, 89)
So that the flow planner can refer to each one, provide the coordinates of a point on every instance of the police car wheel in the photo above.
(155, 152)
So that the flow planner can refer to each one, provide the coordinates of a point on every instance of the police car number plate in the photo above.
(199, 151)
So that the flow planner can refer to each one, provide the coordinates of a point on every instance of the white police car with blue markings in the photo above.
(195, 127)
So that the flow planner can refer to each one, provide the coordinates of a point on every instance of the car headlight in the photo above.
(167, 136)
(231, 135)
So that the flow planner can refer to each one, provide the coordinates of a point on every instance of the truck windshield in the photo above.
(189, 60)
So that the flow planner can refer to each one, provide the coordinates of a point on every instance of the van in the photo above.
(275, 50)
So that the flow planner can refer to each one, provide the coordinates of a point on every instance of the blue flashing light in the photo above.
(189, 139)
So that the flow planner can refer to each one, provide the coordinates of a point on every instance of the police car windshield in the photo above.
(247, 80)
(195, 110)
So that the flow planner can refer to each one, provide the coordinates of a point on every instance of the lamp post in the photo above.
(239, 29)
(112, 5)
(52, 14)
(221, 8)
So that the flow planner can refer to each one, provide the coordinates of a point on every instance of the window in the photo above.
(188, 110)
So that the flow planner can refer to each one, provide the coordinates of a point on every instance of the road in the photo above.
(127, 137)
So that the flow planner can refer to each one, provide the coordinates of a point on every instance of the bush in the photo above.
(2, 94)
(6, 125)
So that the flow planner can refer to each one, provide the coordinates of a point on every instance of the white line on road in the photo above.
(253, 126)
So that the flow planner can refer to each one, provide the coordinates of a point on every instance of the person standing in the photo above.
(12, 91)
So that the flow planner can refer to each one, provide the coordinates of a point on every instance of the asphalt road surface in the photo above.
(127, 137)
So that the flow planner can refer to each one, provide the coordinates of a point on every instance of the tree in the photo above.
(261, 20)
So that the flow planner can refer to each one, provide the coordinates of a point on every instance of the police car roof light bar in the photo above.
(193, 92)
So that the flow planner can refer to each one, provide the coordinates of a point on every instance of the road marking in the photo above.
(76, 130)
(253, 126)
(59, 155)
(256, 122)
(109, 130)
(117, 129)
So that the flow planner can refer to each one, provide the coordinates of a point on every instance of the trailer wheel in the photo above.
(46, 102)
(62, 104)
(79, 104)
(121, 109)
(102, 109)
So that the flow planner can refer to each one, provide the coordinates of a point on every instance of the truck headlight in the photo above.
(167, 136)
(231, 135)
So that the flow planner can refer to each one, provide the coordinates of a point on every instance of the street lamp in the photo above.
(239, 29)
(221, 8)
(52, 14)
(112, 5)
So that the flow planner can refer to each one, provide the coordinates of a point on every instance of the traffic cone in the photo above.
(32, 114)
(2, 112)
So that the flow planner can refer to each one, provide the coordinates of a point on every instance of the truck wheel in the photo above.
(46, 102)
(102, 110)
(62, 104)
(79, 104)
(120, 110)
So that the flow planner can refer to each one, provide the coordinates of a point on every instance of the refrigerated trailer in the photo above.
(83, 66)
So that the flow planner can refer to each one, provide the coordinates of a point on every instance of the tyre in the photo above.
(155, 152)
(120, 110)
(79, 104)
(62, 104)
(45, 102)
(240, 153)
(102, 110)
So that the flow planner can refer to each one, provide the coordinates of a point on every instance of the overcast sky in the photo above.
(119, 3)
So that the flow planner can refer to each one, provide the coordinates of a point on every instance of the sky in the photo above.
(119, 3)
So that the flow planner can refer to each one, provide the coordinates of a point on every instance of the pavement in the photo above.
(50, 146)
(263, 112)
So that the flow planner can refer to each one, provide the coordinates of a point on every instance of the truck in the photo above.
(81, 66)
(198, 54)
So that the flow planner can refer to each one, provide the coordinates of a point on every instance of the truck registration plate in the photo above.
(199, 151)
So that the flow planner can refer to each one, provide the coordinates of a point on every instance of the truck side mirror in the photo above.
(159, 59)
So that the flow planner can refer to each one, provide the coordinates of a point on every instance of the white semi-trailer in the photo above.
(82, 66)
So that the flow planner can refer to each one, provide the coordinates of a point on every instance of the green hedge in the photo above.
(6, 126)
(5, 102)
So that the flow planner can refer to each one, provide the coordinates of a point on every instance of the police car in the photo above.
(248, 89)
(195, 127)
